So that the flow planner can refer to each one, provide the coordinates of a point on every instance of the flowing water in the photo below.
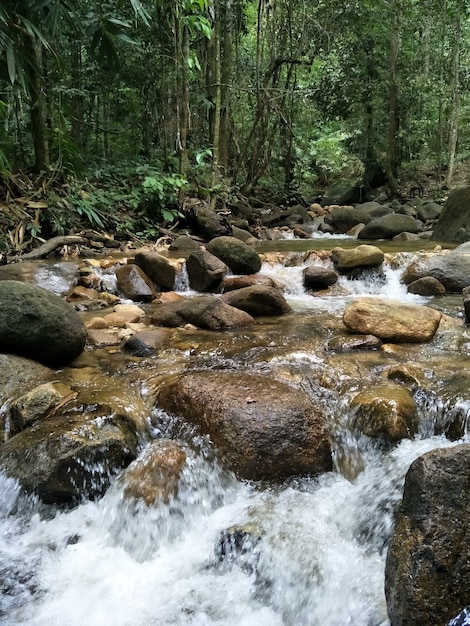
(224, 552)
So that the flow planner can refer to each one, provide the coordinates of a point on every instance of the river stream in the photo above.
(311, 551)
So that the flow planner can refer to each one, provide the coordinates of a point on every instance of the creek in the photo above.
(310, 552)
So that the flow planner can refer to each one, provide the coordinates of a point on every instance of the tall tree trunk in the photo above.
(217, 77)
(184, 117)
(225, 86)
(76, 101)
(393, 113)
(456, 101)
(37, 103)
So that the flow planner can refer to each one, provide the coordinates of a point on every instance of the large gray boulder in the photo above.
(38, 324)
(236, 254)
(427, 573)
(343, 219)
(388, 226)
(451, 269)
(263, 429)
(454, 221)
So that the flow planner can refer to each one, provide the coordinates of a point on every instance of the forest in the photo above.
(113, 112)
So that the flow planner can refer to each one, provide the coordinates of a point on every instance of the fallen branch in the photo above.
(47, 248)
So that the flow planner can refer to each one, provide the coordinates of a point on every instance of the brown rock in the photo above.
(258, 300)
(385, 411)
(203, 311)
(38, 404)
(427, 286)
(153, 477)
(230, 283)
(362, 256)
(264, 429)
(160, 270)
(392, 321)
(205, 271)
(133, 283)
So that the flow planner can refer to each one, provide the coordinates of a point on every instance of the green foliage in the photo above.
(161, 194)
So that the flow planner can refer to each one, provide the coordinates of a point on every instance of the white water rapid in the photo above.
(310, 552)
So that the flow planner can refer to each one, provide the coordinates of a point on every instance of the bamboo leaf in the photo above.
(11, 63)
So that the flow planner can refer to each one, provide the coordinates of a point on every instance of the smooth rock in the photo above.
(236, 254)
(205, 271)
(203, 311)
(257, 300)
(134, 284)
(160, 269)
(361, 256)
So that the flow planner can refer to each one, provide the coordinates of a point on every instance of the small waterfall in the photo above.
(182, 280)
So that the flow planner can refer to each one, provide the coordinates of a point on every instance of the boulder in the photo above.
(427, 286)
(39, 403)
(341, 220)
(159, 269)
(258, 300)
(388, 226)
(452, 270)
(70, 456)
(385, 411)
(183, 244)
(203, 311)
(361, 256)
(264, 429)
(153, 477)
(230, 283)
(427, 572)
(38, 324)
(204, 221)
(318, 277)
(243, 235)
(133, 283)
(236, 254)
(392, 321)
(205, 271)
(429, 211)
(145, 343)
(454, 221)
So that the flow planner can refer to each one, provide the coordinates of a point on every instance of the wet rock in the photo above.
(145, 343)
(124, 314)
(462, 619)
(427, 573)
(392, 321)
(203, 311)
(154, 476)
(388, 226)
(452, 270)
(410, 374)
(38, 404)
(205, 271)
(318, 277)
(263, 428)
(427, 286)
(466, 303)
(80, 293)
(70, 456)
(159, 269)
(300, 233)
(134, 284)
(407, 237)
(454, 220)
(38, 324)
(243, 235)
(362, 256)
(354, 342)
(342, 219)
(236, 254)
(240, 546)
(230, 283)
(18, 374)
(102, 338)
(257, 300)
(385, 411)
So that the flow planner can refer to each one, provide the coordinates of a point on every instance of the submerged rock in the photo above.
(392, 321)
(263, 428)
(38, 324)
(38, 404)
(427, 572)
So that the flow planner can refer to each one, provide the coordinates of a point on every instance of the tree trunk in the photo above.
(225, 86)
(456, 101)
(37, 103)
(184, 117)
(393, 113)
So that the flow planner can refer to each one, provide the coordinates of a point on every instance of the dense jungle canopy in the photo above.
(111, 111)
